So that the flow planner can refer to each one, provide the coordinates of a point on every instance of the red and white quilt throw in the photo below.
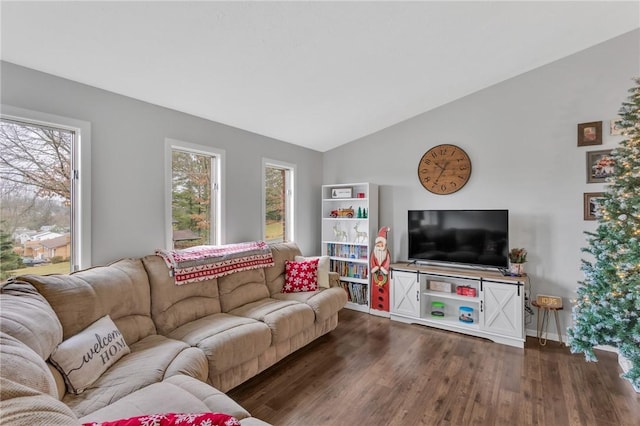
(202, 263)
(174, 419)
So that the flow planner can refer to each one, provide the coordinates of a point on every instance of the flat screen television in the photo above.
(465, 237)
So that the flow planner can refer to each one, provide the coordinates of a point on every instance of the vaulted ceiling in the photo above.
(316, 74)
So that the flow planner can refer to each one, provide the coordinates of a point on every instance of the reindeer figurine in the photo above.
(339, 233)
(361, 236)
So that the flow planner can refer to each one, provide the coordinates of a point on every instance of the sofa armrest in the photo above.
(334, 279)
(190, 362)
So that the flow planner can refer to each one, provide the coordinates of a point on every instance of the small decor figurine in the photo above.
(380, 261)
(342, 213)
(339, 233)
(517, 259)
(361, 236)
(380, 258)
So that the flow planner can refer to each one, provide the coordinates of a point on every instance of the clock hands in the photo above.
(442, 169)
(444, 166)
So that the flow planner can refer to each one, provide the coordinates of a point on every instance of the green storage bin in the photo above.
(437, 309)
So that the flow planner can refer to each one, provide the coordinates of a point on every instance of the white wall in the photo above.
(128, 164)
(521, 136)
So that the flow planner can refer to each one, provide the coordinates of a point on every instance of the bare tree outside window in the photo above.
(191, 199)
(35, 196)
(275, 208)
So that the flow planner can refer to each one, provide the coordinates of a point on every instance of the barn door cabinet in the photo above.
(480, 303)
(405, 294)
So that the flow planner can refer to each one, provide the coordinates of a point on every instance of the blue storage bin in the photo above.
(466, 314)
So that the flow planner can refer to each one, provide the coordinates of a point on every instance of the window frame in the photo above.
(290, 188)
(81, 181)
(217, 235)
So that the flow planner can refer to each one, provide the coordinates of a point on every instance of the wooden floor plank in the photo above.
(374, 371)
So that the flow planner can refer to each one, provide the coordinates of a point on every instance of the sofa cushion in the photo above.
(324, 302)
(274, 275)
(240, 288)
(57, 376)
(84, 357)
(300, 276)
(27, 316)
(323, 269)
(28, 391)
(148, 363)
(20, 364)
(285, 318)
(191, 362)
(120, 290)
(178, 394)
(175, 305)
(226, 340)
(23, 405)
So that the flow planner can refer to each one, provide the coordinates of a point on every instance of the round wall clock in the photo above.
(444, 169)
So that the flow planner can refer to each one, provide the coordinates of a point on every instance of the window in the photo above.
(278, 201)
(44, 193)
(193, 195)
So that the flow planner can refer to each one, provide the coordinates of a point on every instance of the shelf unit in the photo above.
(496, 310)
(347, 236)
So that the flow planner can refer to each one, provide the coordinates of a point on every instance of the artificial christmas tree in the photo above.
(607, 308)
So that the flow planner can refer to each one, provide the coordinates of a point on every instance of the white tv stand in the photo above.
(497, 309)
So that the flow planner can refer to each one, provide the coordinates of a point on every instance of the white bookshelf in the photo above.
(348, 234)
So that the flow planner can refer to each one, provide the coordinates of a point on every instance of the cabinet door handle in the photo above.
(482, 306)
(417, 295)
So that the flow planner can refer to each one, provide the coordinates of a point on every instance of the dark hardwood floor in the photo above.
(373, 371)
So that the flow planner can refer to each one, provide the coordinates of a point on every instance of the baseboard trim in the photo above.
(550, 336)
(384, 314)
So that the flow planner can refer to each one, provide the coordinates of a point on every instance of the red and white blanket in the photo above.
(202, 263)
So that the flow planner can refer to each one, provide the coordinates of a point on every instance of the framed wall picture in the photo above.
(592, 204)
(600, 166)
(590, 133)
(615, 127)
(341, 192)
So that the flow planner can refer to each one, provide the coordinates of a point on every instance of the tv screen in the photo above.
(469, 237)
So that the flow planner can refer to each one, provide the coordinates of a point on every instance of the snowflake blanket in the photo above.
(174, 419)
(206, 262)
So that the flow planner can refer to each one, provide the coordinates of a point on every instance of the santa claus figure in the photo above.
(380, 258)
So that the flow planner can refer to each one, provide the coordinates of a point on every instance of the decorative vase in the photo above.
(516, 269)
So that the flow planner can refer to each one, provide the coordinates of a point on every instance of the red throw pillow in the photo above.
(170, 419)
(300, 276)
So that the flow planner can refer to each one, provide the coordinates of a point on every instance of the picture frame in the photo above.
(590, 133)
(600, 166)
(615, 127)
(591, 204)
(341, 192)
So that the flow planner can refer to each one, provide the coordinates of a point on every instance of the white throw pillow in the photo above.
(323, 269)
(84, 357)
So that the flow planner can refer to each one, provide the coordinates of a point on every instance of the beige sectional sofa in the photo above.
(188, 344)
